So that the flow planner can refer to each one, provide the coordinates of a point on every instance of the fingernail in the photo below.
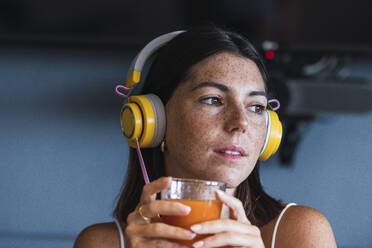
(198, 244)
(220, 192)
(187, 209)
(191, 235)
(196, 228)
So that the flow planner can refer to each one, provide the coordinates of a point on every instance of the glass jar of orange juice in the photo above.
(200, 196)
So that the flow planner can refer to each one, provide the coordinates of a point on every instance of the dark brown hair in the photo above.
(170, 68)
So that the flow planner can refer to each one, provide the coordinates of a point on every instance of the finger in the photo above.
(152, 211)
(150, 190)
(230, 239)
(159, 230)
(225, 225)
(161, 243)
(164, 207)
(236, 207)
(132, 217)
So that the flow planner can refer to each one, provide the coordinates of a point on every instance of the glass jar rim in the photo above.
(198, 181)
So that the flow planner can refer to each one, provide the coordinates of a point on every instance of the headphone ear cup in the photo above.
(131, 123)
(143, 119)
(273, 135)
(160, 120)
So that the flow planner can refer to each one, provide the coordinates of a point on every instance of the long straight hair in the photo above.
(170, 68)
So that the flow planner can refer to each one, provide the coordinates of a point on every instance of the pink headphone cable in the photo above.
(117, 91)
(277, 104)
(142, 163)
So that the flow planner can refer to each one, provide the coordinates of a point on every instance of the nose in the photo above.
(236, 119)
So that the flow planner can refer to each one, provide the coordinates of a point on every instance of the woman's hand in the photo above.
(141, 231)
(236, 232)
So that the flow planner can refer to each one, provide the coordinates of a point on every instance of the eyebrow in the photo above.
(221, 87)
(224, 88)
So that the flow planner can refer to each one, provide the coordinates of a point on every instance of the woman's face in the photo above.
(216, 121)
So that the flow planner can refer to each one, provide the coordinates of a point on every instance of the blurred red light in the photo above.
(269, 54)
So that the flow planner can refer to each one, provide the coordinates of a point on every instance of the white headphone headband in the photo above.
(134, 72)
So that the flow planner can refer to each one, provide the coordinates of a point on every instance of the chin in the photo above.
(232, 180)
(233, 184)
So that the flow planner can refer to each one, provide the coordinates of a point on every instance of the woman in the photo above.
(214, 88)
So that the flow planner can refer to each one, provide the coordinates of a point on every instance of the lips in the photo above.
(233, 152)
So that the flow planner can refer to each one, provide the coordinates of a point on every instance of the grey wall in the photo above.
(62, 155)
(332, 172)
(63, 159)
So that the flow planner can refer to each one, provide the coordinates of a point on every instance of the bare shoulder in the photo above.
(99, 235)
(303, 226)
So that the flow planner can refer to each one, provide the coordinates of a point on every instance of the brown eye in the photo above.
(216, 101)
(258, 109)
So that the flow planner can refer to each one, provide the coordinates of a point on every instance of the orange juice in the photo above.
(201, 211)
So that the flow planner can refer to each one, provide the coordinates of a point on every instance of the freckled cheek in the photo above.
(189, 128)
(257, 132)
(198, 128)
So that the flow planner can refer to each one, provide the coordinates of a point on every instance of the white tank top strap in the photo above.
(277, 223)
(120, 233)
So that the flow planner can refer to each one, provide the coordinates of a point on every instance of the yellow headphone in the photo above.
(143, 117)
